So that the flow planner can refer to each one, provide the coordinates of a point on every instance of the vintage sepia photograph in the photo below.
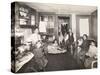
(53, 37)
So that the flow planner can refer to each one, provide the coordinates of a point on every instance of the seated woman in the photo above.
(51, 38)
(39, 56)
(85, 42)
(91, 55)
(79, 52)
(44, 38)
(54, 48)
(34, 38)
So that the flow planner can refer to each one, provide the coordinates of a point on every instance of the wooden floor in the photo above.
(61, 62)
(56, 62)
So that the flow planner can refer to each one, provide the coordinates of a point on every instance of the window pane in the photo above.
(84, 26)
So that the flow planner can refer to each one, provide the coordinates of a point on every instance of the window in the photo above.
(84, 26)
(46, 24)
(32, 20)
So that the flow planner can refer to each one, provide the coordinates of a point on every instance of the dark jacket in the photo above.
(70, 39)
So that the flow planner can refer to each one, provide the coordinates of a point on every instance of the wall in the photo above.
(94, 25)
(73, 19)
(24, 30)
(74, 23)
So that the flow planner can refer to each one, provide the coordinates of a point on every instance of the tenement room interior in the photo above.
(53, 37)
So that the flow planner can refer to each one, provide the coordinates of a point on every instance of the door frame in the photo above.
(66, 15)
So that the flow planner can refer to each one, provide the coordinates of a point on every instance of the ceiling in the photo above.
(62, 8)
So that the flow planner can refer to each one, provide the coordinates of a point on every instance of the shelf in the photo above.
(28, 26)
(22, 17)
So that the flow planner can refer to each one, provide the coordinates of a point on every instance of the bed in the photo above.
(19, 63)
